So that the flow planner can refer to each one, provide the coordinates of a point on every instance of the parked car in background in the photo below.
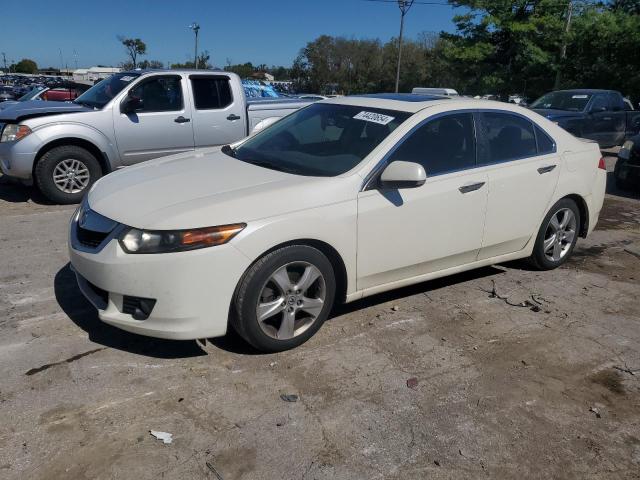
(338, 201)
(627, 169)
(6, 93)
(599, 115)
(126, 119)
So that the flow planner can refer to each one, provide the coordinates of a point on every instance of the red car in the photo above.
(60, 94)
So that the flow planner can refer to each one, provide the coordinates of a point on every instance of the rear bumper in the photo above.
(193, 290)
(596, 200)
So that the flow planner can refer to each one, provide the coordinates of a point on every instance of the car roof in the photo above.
(405, 102)
(587, 90)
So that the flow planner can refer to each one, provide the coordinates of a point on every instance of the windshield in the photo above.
(571, 101)
(102, 93)
(30, 94)
(322, 140)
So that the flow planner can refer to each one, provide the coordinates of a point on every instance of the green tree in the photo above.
(244, 70)
(134, 47)
(203, 62)
(25, 65)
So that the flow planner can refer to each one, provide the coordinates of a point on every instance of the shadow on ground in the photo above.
(14, 192)
(612, 189)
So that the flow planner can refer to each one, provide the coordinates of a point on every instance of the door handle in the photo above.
(233, 117)
(606, 118)
(546, 169)
(181, 119)
(471, 187)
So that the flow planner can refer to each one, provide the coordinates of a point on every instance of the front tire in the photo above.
(65, 174)
(557, 236)
(284, 298)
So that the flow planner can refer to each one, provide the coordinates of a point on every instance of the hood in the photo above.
(207, 188)
(38, 108)
(552, 114)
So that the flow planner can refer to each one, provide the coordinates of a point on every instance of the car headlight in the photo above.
(13, 132)
(135, 240)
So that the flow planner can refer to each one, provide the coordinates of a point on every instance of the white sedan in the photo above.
(340, 200)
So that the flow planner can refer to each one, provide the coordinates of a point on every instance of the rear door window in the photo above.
(443, 145)
(506, 137)
(211, 93)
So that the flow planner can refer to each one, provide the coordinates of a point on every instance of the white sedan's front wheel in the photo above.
(284, 298)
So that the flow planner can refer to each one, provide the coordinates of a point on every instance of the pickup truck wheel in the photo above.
(284, 298)
(557, 236)
(65, 173)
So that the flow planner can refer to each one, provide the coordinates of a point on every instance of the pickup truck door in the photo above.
(219, 113)
(159, 125)
(602, 123)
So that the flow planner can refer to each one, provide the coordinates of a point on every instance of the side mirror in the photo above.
(130, 105)
(400, 174)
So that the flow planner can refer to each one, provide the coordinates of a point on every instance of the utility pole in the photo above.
(196, 28)
(404, 5)
(4, 60)
(61, 61)
(563, 49)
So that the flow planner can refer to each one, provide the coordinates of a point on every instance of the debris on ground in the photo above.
(412, 383)
(273, 364)
(213, 469)
(437, 463)
(395, 308)
(534, 304)
(166, 437)
(289, 397)
(596, 411)
(626, 369)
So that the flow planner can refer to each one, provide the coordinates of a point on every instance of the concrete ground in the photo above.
(439, 380)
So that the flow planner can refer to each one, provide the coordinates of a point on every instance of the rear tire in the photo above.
(284, 298)
(66, 173)
(557, 236)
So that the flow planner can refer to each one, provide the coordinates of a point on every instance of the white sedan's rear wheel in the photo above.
(557, 235)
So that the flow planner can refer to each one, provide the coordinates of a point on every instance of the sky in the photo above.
(270, 32)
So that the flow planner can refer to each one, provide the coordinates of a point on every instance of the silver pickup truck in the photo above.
(128, 118)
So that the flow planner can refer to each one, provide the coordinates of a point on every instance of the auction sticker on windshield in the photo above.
(127, 78)
(374, 117)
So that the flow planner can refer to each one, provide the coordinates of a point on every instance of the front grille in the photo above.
(89, 238)
(139, 308)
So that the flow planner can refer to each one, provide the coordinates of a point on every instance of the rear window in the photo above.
(211, 93)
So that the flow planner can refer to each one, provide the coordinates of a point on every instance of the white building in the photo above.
(94, 73)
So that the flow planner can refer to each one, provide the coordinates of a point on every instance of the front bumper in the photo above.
(193, 290)
(16, 158)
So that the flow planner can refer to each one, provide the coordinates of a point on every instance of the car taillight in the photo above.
(601, 164)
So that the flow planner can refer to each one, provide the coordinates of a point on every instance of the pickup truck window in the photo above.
(599, 104)
(322, 140)
(508, 137)
(616, 102)
(563, 100)
(211, 93)
(102, 93)
(159, 94)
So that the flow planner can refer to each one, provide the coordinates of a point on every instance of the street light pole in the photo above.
(404, 5)
(196, 28)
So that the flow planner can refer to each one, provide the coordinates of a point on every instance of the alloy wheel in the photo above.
(71, 176)
(291, 300)
(559, 234)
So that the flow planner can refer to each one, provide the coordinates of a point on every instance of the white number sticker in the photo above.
(374, 117)
(126, 78)
(580, 96)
